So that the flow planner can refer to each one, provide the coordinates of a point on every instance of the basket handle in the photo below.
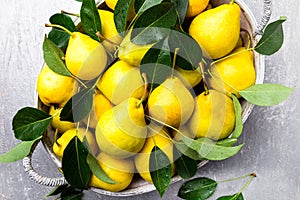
(27, 164)
(265, 19)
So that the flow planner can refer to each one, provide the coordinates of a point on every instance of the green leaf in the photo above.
(238, 129)
(209, 150)
(30, 123)
(90, 19)
(238, 196)
(71, 193)
(198, 189)
(57, 190)
(153, 25)
(190, 54)
(266, 94)
(272, 38)
(97, 170)
(53, 58)
(185, 166)
(160, 170)
(228, 142)
(181, 7)
(57, 36)
(19, 152)
(183, 148)
(74, 165)
(121, 12)
(157, 64)
(141, 6)
(78, 107)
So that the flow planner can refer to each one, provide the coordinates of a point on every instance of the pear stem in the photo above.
(60, 27)
(145, 94)
(174, 61)
(231, 2)
(201, 66)
(55, 137)
(79, 81)
(99, 35)
(68, 13)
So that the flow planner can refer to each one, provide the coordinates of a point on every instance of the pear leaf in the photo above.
(160, 170)
(60, 37)
(190, 54)
(181, 7)
(184, 149)
(209, 150)
(154, 24)
(79, 106)
(272, 38)
(266, 94)
(19, 152)
(157, 64)
(97, 170)
(238, 196)
(198, 189)
(53, 58)
(141, 6)
(71, 193)
(228, 142)
(90, 19)
(185, 166)
(74, 165)
(238, 129)
(121, 13)
(57, 190)
(30, 123)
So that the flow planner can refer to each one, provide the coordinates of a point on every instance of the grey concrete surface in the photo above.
(271, 134)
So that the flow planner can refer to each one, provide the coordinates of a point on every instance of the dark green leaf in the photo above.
(183, 148)
(190, 54)
(238, 196)
(228, 142)
(197, 189)
(78, 107)
(19, 152)
(209, 150)
(266, 94)
(153, 25)
(79, 0)
(142, 5)
(185, 166)
(121, 13)
(160, 170)
(181, 9)
(74, 165)
(97, 170)
(90, 18)
(57, 36)
(157, 64)
(238, 129)
(57, 190)
(71, 193)
(53, 58)
(272, 38)
(30, 123)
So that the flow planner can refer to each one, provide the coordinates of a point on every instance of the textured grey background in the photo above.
(271, 134)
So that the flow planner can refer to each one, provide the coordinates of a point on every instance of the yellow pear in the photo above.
(121, 81)
(56, 123)
(121, 131)
(161, 139)
(119, 170)
(132, 53)
(190, 78)
(195, 7)
(100, 105)
(171, 102)
(109, 30)
(234, 73)
(213, 117)
(85, 58)
(217, 30)
(55, 89)
(62, 142)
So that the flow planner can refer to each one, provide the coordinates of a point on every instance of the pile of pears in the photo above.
(130, 115)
